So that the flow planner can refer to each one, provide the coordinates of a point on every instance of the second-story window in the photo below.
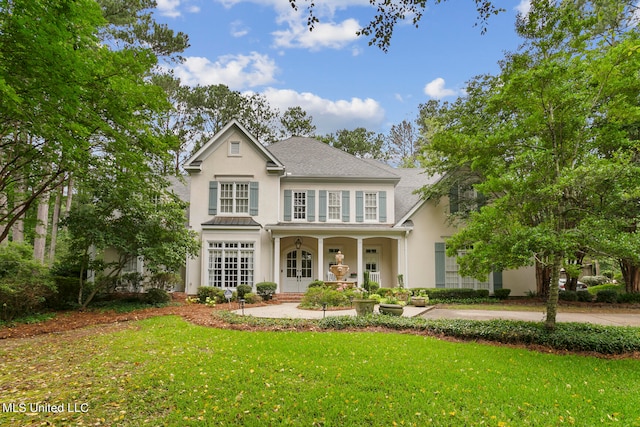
(334, 205)
(299, 205)
(234, 197)
(371, 206)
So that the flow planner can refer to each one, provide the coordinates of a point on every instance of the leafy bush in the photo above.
(607, 286)
(66, 296)
(569, 296)
(24, 283)
(373, 287)
(566, 336)
(594, 280)
(251, 298)
(316, 284)
(266, 289)
(502, 293)
(215, 294)
(156, 296)
(607, 295)
(165, 280)
(243, 290)
(627, 298)
(584, 296)
(315, 297)
(482, 293)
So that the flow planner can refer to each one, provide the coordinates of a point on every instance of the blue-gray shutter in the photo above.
(322, 214)
(253, 197)
(382, 200)
(311, 205)
(453, 198)
(440, 265)
(497, 280)
(359, 206)
(287, 205)
(213, 197)
(345, 206)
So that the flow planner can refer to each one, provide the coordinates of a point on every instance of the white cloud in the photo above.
(236, 71)
(324, 35)
(295, 34)
(436, 89)
(330, 115)
(169, 8)
(238, 29)
(524, 7)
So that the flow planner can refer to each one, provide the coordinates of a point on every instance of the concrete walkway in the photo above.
(291, 311)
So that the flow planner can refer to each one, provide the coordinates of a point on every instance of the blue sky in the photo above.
(263, 46)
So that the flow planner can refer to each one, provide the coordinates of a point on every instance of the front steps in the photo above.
(288, 297)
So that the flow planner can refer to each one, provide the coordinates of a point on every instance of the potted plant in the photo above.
(362, 303)
(391, 306)
(421, 299)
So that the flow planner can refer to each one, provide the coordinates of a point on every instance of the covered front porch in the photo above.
(302, 256)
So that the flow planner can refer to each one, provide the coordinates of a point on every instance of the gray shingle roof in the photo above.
(308, 157)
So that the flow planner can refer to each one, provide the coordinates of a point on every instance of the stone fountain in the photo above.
(339, 269)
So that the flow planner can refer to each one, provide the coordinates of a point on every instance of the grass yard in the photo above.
(167, 372)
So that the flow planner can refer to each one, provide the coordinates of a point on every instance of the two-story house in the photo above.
(280, 213)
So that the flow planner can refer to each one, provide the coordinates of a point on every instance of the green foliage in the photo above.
(316, 296)
(242, 290)
(210, 292)
(629, 298)
(594, 280)
(502, 293)
(66, 295)
(266, 289)
(316, 284)
(165, 280)
(569, 295)
(359, 142)
(607, 296)
(607, 286)
(156, 296)
(24, 283)
(252, 298)
(482, 293)
(584, 296)
(373, 287)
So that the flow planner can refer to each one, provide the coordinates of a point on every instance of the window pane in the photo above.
(230, 264)
(299, 205)
(371, 206)
(242, 198)
(226, 197)
(334, 205)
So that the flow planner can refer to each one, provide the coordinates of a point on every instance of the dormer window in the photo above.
(234, 148)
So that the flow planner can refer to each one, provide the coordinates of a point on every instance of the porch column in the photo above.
(360, 263)
(406, 259)
(276, 262)
(321, 258)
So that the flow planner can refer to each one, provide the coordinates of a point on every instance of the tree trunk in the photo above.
(543, 278)
(631, 274)
(54, 225)
(69, 194)
(3, 209)
(40, 240)
(17, 230)
(552, 301)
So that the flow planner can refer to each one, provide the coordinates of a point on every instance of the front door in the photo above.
(298, 270)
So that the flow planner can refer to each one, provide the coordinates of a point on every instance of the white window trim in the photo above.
(364, 206)
(339, 194)
(293, 204)
(209, 272)
(233, 144)
(234, 207)
(460, 279)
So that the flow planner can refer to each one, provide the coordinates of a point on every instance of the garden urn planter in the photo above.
(419, 301)
(391, 309)
(364, 306)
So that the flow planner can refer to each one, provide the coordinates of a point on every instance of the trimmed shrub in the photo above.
(215, 294)
(156, 296)
(251, 298)
(568, 296)
(502, 293)
(66, 296)
(607, 295)
(626, 298)
(243, 290)
(482, 293)
(584, 296)
(373, 287)
(266, 289)
(165, 280)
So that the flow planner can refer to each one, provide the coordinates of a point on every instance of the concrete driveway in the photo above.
(291, 311)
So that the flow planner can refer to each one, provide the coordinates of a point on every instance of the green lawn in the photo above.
(167, 372)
